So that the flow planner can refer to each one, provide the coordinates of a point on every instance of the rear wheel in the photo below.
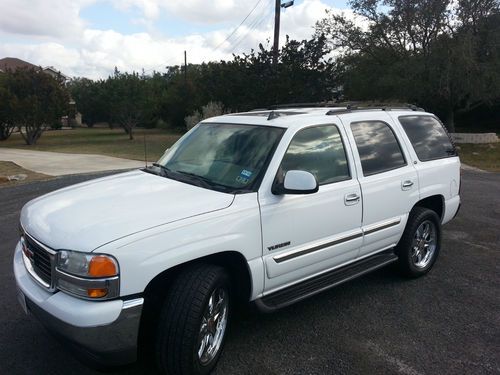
(419, 246)
(193, 321)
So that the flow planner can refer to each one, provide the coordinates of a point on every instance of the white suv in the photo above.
(267, 206)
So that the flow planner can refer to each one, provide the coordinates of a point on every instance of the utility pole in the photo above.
(277, 19)
(277, 16)
(185, 67)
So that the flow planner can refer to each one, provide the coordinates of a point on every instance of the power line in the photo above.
(255, 25)
(236, 29)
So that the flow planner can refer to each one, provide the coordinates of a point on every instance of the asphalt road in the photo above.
(445, 323)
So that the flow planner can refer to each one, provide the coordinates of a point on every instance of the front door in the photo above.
(304, 235)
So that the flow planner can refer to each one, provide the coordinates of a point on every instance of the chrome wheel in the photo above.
(424, 244)
(213, 326)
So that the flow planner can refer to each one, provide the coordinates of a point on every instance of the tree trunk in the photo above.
(33, 133)
(130, 135)
(5, 131)
(450, 120)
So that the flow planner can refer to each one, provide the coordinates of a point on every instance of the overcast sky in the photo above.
(90, 37)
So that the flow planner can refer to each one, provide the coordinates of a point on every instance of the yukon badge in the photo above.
(279, 246)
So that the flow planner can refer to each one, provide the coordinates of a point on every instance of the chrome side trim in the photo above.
(299, 252)
(132, 303)
(375, 228)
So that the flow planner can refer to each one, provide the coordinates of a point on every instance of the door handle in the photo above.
(406, 185)
(351, 199)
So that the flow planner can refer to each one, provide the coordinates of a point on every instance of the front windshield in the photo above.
(228, 157)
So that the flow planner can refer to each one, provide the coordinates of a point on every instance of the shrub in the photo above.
(211, 109)
(162, 124)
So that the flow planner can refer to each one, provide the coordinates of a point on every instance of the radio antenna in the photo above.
(145, 147)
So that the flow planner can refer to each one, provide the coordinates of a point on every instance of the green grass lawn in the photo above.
(483, 156)
(112, 142)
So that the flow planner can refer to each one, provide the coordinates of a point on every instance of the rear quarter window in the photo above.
(428, 137)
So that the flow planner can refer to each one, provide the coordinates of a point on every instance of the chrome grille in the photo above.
(40, 260)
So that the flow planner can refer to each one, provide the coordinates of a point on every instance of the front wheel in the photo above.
(419, 246)
(193, 321)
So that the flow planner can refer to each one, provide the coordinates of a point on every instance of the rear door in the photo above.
(306, 234)
(389, 182)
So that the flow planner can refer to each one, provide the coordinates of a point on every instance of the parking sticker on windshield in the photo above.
(244, 176)
(245, 173)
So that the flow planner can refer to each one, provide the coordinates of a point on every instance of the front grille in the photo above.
(41, 260)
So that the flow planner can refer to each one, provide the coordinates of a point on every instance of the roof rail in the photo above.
(303, 105)
(351, 105)
(375, 106)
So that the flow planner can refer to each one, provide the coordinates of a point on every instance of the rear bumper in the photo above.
(101, 333)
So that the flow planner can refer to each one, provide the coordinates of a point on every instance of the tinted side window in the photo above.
(378, 147)
(428, 137)
(320, 151)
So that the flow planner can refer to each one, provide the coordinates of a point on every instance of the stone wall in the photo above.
(474, 137)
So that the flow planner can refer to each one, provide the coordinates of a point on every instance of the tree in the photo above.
(440, 54)
(6, 125)
(37, 102)
(90, 100)
(128, 101)
(250, 81)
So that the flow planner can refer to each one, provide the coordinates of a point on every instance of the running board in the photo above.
(317, 284)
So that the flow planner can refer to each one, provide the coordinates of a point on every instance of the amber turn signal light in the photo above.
(97, 292)
(102, 266)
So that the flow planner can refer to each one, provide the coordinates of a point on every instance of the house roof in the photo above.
(55, 71)
(13, 63)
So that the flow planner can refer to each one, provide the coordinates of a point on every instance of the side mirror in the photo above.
(297, 182)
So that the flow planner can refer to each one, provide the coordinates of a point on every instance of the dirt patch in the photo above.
(12, 174)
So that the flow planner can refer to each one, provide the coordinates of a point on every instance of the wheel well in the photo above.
(434, 203)
(234, 262)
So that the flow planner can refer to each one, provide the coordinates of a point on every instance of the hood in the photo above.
(88, 215)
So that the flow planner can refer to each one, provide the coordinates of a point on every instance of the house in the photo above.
(50, 70)
(13, 63)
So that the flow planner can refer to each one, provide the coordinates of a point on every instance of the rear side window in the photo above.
(320, 151)
(428, 137)
(378, 147)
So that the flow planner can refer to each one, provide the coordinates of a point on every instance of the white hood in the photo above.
(88, 215)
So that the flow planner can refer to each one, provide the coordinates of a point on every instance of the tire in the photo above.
(418, 251)
(186, 307)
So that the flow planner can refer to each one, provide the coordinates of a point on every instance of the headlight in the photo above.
(91, 276)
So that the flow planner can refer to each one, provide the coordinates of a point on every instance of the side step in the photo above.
(314, 285)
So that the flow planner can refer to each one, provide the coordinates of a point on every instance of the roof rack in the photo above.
(375, 106)
(302, 105)
(349, 106)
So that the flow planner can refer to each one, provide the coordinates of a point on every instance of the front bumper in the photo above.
(102, 333)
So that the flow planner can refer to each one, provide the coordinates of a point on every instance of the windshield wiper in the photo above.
(206, 181)
(165, 172)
